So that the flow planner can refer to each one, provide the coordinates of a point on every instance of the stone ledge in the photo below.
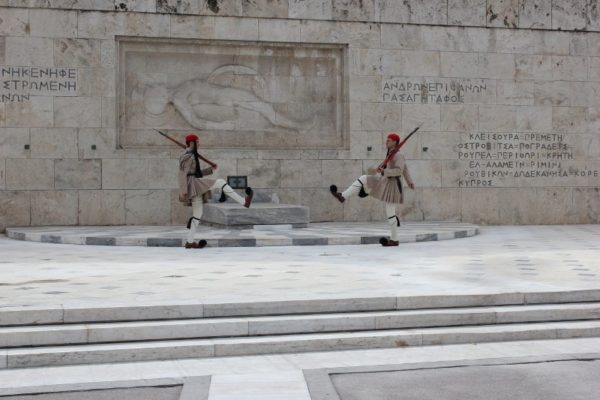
(317, 234)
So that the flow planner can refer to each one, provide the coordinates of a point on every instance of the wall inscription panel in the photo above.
(523, 159)
(235, 94)
(18, 84)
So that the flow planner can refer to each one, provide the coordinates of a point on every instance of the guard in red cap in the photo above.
(384, 183)
(195, 187)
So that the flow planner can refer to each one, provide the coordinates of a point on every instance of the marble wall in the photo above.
(508, 92)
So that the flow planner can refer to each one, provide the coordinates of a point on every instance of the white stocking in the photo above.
(355, 187)
(196, 214)
(229, 192)
(393, 221)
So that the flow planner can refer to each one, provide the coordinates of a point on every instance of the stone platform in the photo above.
(329, 233)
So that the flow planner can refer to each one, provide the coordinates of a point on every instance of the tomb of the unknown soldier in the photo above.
(299, 199)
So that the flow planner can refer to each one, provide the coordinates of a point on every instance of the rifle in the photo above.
(385, 162)
(177, 142)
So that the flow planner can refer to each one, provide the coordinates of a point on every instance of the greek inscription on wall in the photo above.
(492, 159)
(434, 91)
(17, 84)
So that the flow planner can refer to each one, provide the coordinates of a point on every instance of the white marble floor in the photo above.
(500, 259)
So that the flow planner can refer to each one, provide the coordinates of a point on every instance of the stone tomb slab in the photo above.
(235, 216)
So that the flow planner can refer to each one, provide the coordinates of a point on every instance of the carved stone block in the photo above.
(96, 82)
(310, 9)
(84, 112)
(497, 118)
(569, 119)
(459, 65)
(37, 112)
(431, 12)
(15, 208)
(265, 8)
(178, 6)
(261, 173)
(13, 141)
(53, 23)
(353, 10)
(534, 119)
(533, 67)
(300, 173)
(15, 22)
(356, 35)
(78, 174)
(514, 92)
(535, 14)
(497, 66)
(467, 12)
(569, 14)
(54, 207)
(381, 116)
(236, 29)
(185, 26)
(147, 207)
(221, 7)
(77, 52)
(440, 204)
(98, 143)
(408, 37)
(459, 118)
(322, 206)
(29, 174)
(414, 115)
(502, 13)
(54, 143)
(2, 174)
(569, 68)
(393, 11)
(101, 207)
(29, 51)
(126, 173)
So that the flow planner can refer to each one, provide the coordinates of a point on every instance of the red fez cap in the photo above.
(191, 138)
(394, 136)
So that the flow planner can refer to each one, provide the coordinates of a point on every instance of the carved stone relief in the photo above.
(234, 95)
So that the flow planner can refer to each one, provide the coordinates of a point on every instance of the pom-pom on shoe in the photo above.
(334, 191)
(249, 196)
(201, 244)
(385, 242)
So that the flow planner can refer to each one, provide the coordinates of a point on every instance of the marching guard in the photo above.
(195, 186)
(384, 183)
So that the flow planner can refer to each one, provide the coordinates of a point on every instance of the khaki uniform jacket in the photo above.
(191, 187)
(387, 188)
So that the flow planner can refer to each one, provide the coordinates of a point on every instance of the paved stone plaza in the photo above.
(527, 259)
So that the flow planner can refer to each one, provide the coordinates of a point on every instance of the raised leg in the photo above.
(357, 186)
(229, 192)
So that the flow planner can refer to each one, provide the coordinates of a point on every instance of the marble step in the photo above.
(44, 335)
(36, 315)
(237, 346)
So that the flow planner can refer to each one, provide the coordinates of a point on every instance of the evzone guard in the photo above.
(384, 183)
(195, 186)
